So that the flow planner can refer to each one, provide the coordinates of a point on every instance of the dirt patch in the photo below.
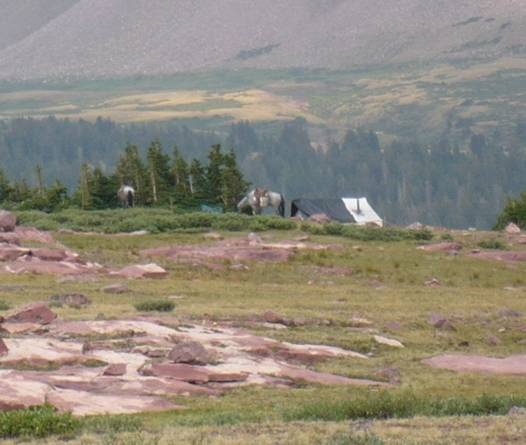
(514, 365)
(133, 379)
(235, 250)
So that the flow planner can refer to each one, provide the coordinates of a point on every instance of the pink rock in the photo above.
(232, 377)
(514, 365)
(10, 253)
(186, 373)
(3, 348)
(46, 254)
(118, 288)
(319, 218)
(512, 228)
(142, 271)
(34, 313)
(115, 370)
(7, 221)
(440, 322)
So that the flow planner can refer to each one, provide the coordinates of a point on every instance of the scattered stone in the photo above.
(504, 256)
(512, 229)
(509, 313)
(117, 288)
(191, 353)
(392, 326)
(239, 267)
(302, 238)
(142, 271)
(440, 322)
(493, 340)
(358, 322)
(502, 330)
(253, 239)
(275, 326)
(517, 411)
(434, 282)
(3, 348)
(35, 313)
(274, 318)
(319, 218)
(416, 226)
(214, 236)
(115, 370)
(388, 341)
(71, 300)
(7, 221)
(392, 375)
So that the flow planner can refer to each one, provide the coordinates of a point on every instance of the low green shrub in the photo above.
(493, 244)
(40, 421)
(4, 306)
(386, 405)
(155, 306)
(112, 424)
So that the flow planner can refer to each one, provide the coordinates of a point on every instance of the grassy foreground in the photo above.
(386, 287)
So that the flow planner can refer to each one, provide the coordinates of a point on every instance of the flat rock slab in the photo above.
(514, 365)
(501, 255)
(141, 271)
(33, 313)
(99, 367)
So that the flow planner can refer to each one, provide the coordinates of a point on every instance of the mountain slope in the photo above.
(93, 38)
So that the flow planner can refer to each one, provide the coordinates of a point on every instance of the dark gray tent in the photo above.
(343, 210)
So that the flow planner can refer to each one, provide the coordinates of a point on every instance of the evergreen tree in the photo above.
(56, 196)
(158, 173)
(234, 186)
(5, 187)
(84, 192)
(214, 174)
(104, 190)
(131, 171)
(181, 175)
(199, 183)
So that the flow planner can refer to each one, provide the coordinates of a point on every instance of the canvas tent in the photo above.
(344, 210)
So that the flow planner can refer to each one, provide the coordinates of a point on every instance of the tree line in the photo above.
(158, 180)
(452, 182)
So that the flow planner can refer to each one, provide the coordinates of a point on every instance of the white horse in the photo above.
(126, 196)
(260, 199)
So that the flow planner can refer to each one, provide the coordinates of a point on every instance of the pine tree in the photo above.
(5, 187)
(84, 193)
(234, 186)
(198, 184)
(214, 174)
(40, 180)
(181, 175)
(158, 173)
(104, 190)
(131, 171)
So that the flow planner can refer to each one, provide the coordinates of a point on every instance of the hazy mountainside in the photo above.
(63, 38)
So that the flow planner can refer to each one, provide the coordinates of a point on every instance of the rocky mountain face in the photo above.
(107, 38)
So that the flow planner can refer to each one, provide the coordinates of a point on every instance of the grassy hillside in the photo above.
(408, 100)
(484, 301)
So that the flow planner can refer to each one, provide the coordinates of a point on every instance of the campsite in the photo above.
(314, 332)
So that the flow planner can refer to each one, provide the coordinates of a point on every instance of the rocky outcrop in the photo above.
(7, 221)
(37, 313)
(191, 352)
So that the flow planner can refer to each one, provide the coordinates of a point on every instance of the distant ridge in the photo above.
(42, 39)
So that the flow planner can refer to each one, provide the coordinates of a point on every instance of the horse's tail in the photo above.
(281, 208)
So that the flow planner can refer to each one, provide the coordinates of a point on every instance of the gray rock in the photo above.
(191, 353)
(7, 221)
